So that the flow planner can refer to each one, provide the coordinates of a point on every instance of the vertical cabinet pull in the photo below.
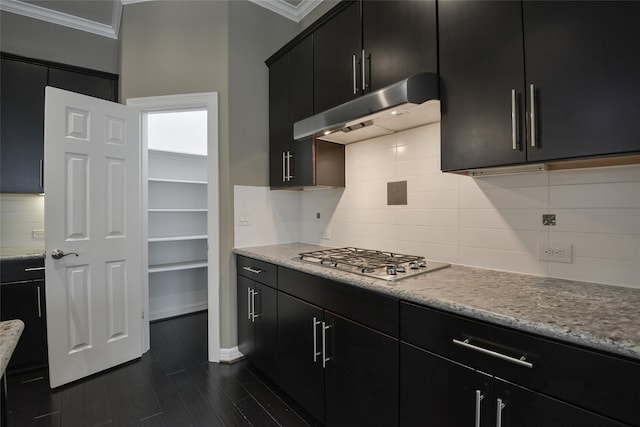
(499, 407)
(284, 166)
(249, 307)
(42, 173)
(316, 353)
(289, 174)
(514, 120)
(364, 76)
(325, 359)
(254, 316)
(355, 74)
(39, 303)
(479, 398)
(532, 105)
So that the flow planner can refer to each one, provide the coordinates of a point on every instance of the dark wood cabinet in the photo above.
(576, 101)
(257, 316)
(339, 370)
(306, 163)
(369, 45)
(22, 130)
(22, 114)
(22, 296)
(337, 49)
(451, 394)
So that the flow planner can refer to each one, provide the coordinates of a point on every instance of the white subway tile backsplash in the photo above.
(505, 260)
(20, 214)
(599, 270)
(604, 195)
(605, 220)
(630, 173)
(505, 198)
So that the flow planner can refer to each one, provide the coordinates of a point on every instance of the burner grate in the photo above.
(366, 260)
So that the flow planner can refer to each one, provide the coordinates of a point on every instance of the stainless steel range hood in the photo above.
(404, 105)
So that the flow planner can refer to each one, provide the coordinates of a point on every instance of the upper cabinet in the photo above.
(296, 164)
(537, 81)
(22, 114)
(369, 45)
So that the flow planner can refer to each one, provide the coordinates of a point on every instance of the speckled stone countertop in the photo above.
(21, 252)
(10, 331)
(597, 316)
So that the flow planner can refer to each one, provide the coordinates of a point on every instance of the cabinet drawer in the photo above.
(17, 270)
(594, 380)
(372, 309)
(260, 271)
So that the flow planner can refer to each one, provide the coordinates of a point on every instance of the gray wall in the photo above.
(37, 39)
(211, 46)
(317, 12)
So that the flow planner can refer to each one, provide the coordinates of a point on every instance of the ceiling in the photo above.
(102, 17)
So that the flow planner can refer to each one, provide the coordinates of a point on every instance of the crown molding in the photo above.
(64, 19)
(290, 12)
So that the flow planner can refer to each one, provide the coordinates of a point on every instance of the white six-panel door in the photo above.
(92, 208)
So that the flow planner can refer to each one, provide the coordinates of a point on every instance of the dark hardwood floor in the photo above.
(172, 385)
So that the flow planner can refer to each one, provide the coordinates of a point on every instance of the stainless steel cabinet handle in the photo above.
(514, 120)
(284, 167)
(41, 173)
(33, 269)
(499, 407)
(252, 270)
(254, 316)
(467, 344)
(479, 398)
(39, 303)
(325, 359)
(316, 353)
(289, 175)
(59, 253)
(355, 74)
(532, 93)
(249, 292)
(364, 77)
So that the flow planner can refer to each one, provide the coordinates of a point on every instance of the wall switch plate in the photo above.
(243, 219)
(38, 233)
(555, 253)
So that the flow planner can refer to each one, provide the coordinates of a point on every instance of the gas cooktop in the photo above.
(384, 265)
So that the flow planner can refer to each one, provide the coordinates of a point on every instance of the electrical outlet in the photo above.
(327, 234)
(555, 253)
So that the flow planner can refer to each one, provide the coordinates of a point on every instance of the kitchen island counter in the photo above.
(601, 317)
(21, 252)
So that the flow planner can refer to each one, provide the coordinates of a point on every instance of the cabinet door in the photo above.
(246, 333)
(361, 375)
(399, 39)
(582, 59)
(301, 106)
(266, 331)
(22, 130)
(524, 408)
(25, 301)
(335, 45)
(86, 84)
(279, 132)
(437, 392)
(301, 376)
(481, 63)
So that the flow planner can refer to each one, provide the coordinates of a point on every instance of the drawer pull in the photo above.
(467, 344)
(26, 270)
(253, 270)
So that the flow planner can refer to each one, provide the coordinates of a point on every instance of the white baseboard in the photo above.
(177, 311)
(230, 355)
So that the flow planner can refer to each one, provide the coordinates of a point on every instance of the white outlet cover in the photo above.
(555, 253)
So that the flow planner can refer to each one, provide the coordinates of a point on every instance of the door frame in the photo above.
(209, 102)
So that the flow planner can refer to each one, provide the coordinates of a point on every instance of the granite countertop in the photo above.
(21, 252)
(10, 331)
(592, 315)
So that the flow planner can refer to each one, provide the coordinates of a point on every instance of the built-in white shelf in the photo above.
(176, 210)
(177, 266)
(177, 181)
(177, 238)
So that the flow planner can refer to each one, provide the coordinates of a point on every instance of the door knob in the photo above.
(59, 253)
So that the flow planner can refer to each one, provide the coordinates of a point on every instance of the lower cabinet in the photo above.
(257, 325)
(26, 301)
(341, 372)
(439, 392)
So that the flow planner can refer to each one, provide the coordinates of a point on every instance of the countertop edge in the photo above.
(10, 331)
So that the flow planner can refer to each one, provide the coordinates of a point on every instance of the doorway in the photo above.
(180, 165)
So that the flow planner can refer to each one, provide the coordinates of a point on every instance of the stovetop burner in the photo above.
(389, 266)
